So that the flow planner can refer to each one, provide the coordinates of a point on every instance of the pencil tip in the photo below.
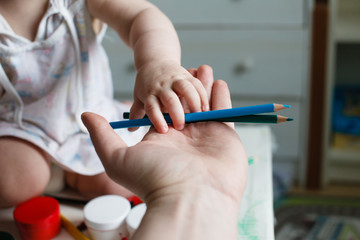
(278, 107)
(290, 119)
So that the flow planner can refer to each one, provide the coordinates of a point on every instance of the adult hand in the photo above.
(203, 161)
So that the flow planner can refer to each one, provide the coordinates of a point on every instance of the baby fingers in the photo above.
(194, 94)
(172, 104)
(152, 107)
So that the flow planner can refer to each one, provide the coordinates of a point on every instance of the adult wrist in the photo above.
(204, 213)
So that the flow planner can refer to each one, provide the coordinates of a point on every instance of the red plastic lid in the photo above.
(134, 200)
(38, 213)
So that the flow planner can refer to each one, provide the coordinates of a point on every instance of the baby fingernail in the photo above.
(205, 108)
(164, 129)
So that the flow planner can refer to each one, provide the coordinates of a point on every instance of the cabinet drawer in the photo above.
(275, 71)
(287, 135)
(121, 63)
(254, 63)
(233, 11)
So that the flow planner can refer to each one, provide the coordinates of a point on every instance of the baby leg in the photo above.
(24, 171)
(97, 185)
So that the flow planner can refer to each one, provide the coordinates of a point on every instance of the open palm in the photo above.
(206, 154)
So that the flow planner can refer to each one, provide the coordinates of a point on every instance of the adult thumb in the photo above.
(104, 138)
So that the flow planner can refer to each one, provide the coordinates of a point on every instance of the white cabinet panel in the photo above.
(254, 63)
(121, 63)
(233, 11)
(263, 63)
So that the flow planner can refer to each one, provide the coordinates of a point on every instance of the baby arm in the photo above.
(161, 82)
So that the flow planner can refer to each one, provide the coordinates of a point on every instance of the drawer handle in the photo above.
(244, 66)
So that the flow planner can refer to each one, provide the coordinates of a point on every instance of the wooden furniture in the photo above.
(259, 47)
(319, 38)
(341, 165)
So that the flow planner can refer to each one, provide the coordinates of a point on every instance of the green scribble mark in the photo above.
(252, 160)
(248, 226)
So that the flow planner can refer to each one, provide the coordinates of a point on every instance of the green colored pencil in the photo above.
(242, 119)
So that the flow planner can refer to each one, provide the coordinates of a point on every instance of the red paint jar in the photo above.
(134, 200)
(38, 218)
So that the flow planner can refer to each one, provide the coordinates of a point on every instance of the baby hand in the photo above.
(165, 86)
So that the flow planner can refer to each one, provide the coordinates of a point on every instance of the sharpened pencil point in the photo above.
(278, 107)
(290, 119)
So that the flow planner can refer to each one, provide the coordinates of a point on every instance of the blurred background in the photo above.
(305, 53)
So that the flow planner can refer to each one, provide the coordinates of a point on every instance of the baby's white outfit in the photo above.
(46, 84)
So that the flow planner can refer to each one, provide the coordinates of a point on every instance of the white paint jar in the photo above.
(134, 218)
(105, 217)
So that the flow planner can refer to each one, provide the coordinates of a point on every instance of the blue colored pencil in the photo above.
(206, 116)
(254, 118)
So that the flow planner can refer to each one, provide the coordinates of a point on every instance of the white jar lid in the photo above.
(106, 212)
(135, 216)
